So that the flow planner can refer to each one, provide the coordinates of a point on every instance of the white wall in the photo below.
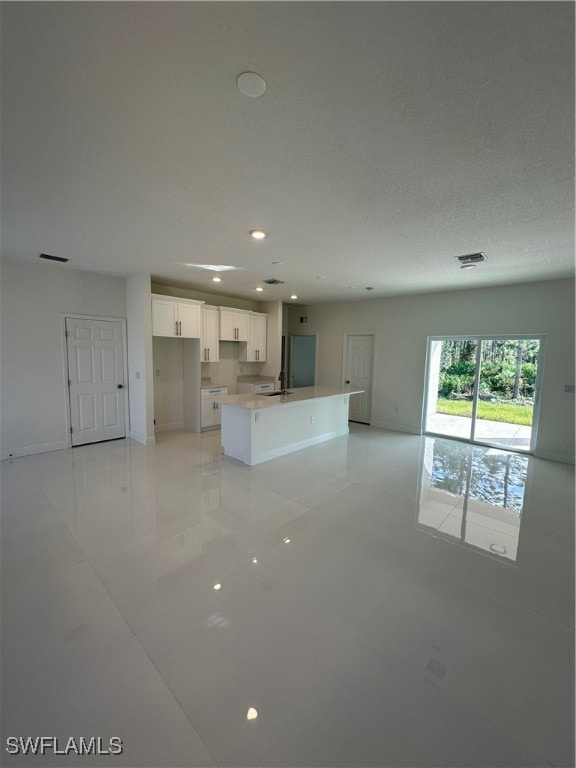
(140, 372)
(402, 324)
(34, 299)
(168, 355)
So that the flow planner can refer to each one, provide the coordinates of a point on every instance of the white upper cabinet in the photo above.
(176, 317)
(234, 324)
(210, 347)
(256, 346)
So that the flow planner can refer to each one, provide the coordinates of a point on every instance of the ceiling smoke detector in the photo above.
(470, 260)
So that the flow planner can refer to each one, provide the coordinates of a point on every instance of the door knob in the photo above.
(120, 386)
(347, 381)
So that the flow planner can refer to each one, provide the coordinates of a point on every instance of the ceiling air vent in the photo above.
(53, 258)
(471, 258)
(273, 281)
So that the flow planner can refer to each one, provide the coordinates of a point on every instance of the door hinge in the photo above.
(71, 430)
(69, 382)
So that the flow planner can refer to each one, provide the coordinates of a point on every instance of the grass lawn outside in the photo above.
(506, 412)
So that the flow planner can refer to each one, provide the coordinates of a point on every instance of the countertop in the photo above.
(209, 384)
(257, 402)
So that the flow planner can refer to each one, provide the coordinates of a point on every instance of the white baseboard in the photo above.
(142, 439)
(293, 447)
(168, 427)
(29, 450)
(565, 458)
(394, 427)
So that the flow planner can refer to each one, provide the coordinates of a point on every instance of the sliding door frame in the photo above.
(479, 338)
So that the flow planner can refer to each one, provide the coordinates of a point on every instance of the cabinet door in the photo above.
(227, 325)
(164, 316)
(251, 346)
(260, 331)
(189, 320)
(206, 414)
(210, 347)
(242, 323)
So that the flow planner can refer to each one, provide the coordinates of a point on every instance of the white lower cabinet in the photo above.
(210, 411)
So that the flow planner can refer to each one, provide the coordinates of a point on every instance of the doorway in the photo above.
(303, 361)
(484, 389)
(96, 375)
(357, 374)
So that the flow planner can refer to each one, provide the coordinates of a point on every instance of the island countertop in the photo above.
(254, 402)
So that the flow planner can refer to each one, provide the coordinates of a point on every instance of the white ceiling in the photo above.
(392, 137)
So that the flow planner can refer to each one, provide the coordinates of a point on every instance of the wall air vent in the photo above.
(273, 281)
(471, 258)
(52, 258)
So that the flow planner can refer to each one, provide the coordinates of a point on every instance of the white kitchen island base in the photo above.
(257, 429)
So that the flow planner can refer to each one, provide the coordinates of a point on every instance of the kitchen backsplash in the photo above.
(230, 367)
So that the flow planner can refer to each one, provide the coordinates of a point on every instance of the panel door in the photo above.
(96, 380)
(359, 362)
(164, 317)
(189, 320)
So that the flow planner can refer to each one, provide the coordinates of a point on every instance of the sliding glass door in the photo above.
(484, 389)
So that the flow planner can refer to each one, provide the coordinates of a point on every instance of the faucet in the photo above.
(282, 380)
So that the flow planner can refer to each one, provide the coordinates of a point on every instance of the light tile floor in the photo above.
(384, 600)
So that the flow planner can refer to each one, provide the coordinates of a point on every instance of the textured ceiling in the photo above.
(392, 137)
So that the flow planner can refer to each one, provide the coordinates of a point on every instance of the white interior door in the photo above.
(358, 374)
(96, 380)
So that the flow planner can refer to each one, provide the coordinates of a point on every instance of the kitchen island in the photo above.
(259, 428)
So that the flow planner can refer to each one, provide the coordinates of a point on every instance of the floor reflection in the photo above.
(473, 495)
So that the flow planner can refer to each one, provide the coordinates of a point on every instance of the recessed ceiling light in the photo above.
(467, 266)
(320, 277)
(277, 262)
(257, 234)
(259, 288)
(351, 286)
(251, 84)
(252, 714)
(217, 279)
(293, 296)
